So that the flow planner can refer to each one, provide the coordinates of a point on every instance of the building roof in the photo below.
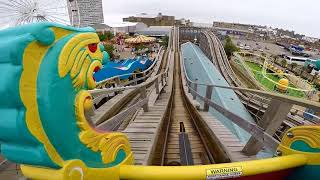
(231, 29)
(145, 15)
(155, 30)
(101, 26)
(124, 24)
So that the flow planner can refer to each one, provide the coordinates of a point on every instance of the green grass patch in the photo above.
(257, 69)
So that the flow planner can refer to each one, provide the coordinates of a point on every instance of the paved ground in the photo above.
(268, 48)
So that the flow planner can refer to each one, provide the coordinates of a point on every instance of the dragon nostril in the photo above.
(93, 47)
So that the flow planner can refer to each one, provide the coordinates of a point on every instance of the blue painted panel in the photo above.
(200, 69)
(127, 66)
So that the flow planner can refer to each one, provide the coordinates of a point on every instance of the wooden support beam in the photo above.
(273, 117)
(143, 95)
(208, 96)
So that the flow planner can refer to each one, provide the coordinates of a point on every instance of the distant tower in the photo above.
(86, 12)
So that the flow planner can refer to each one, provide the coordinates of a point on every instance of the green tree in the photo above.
(105, 36)
(293, 65)
(109, 49)
(109, 35)
(229, 47)
(283, 63)
(101, 36)
(275, 58)
(164, 41)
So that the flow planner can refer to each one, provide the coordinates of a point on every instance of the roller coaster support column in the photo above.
(208, 97)
(195, 88)
(157, 85)
(143, 95)
(270, 122)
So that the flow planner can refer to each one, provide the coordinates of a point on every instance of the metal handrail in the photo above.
(112, 123)
(226, 66)
(285, 98)
(251, 128)
(95, 92)
(3, 164)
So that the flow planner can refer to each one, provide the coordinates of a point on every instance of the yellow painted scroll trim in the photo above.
(32, 58)
(308, 134)
(108, 144)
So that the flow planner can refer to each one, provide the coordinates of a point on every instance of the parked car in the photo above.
(247, 48)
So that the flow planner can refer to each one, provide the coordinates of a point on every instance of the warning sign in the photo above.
(224, 173)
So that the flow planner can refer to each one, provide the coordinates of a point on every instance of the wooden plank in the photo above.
(271, 121)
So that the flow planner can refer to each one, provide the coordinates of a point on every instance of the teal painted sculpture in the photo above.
(45, 72)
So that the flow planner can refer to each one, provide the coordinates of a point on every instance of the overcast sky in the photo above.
(302, 16)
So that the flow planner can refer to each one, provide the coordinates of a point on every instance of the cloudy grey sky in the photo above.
(303, 16)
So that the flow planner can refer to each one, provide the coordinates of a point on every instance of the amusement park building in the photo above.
(156, 20)
(90, 12)
(128, 27)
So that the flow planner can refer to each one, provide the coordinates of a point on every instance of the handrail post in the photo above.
(162, 83)
(157, 85)
(143, 95)
(195, 91)
(208, 98)
(144, 77)
(134, 76)
(188, 85)
(117, 80)
(165, 78)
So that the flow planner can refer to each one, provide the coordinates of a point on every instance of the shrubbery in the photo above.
(229, 47)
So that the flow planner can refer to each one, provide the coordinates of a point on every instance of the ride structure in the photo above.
(123, 68)
(44, 127)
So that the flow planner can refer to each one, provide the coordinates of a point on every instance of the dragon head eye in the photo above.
(93, 47)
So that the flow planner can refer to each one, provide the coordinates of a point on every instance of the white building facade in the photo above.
(128, 27)
(85, 13)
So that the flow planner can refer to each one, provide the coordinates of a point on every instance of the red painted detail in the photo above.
(277, 175)
(93, 47)
(96, 69)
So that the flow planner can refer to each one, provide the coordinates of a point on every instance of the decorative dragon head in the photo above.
(80, 58)
(45, 75)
